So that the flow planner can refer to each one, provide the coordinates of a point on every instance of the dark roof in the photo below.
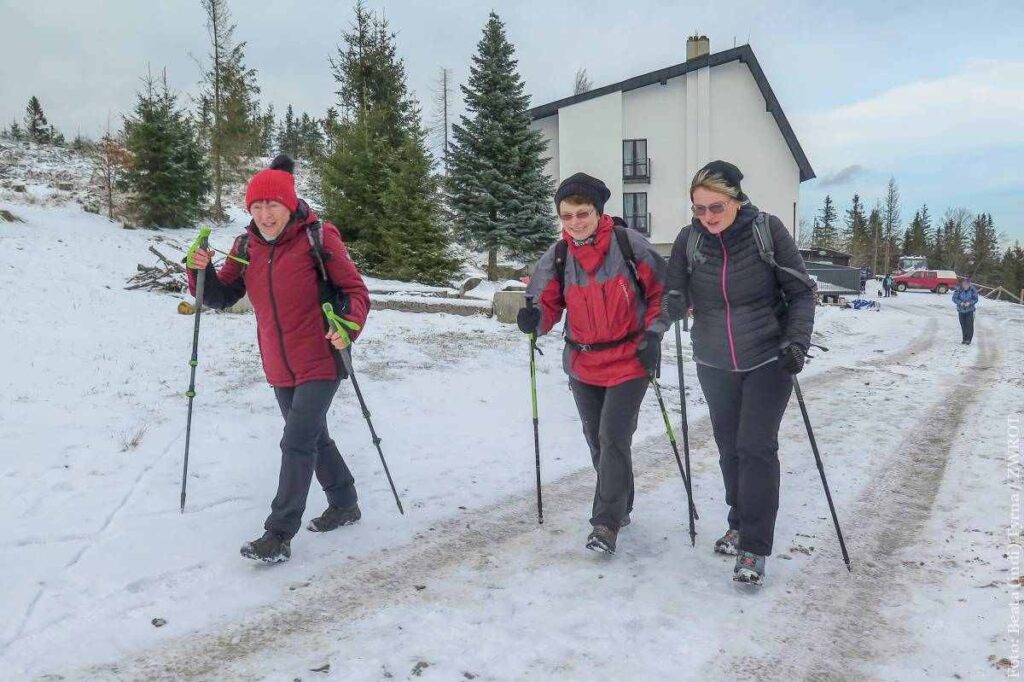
(743, 54)
(820, 251)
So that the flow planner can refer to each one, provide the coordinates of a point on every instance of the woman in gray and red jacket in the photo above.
(300, 357)
(613, 335)
(751, 331)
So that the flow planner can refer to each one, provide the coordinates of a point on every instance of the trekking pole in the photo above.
(821, 470)
(675, 449)
(536, 428)
(201, 242)
(341, 325)
(686, 428)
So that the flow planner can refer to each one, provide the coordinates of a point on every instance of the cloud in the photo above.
(844, 176)
(979, 106)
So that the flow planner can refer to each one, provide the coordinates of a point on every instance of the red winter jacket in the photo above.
(282, 282)
(602, 303)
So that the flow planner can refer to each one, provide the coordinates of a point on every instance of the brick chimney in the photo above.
(697, 46)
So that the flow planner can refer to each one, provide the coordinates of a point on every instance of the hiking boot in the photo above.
(602, 539)
(749, 568)
(728, 543)
(334, 517)
(272, 548)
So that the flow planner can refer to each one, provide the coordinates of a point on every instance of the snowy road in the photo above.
(913, 428)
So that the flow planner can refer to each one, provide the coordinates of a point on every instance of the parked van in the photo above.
(939, 281)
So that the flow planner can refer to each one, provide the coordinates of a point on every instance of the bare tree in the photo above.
(111, 157)
(582, 83)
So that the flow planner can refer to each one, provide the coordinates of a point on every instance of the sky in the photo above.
(928, 93)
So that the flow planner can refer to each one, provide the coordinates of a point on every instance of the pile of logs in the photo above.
(166, 276)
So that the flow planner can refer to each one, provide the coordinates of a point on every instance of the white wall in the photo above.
(711, 113)
(658, 112)
(549, 129)
(590, 141)
(743, 132)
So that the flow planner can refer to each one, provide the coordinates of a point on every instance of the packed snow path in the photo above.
(913, 428)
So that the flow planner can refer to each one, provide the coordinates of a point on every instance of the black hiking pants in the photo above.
(306, 447)
(746, 410)
(967, 326)
(609, 417)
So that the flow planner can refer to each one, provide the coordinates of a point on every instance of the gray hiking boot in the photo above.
(749, 568)
(333, 517)
(272, 548)
(602, 539)
(728, 543)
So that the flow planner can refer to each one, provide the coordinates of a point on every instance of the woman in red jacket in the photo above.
(609, 282)
(300, 357)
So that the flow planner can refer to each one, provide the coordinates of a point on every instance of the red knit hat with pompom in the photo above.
(276, 183)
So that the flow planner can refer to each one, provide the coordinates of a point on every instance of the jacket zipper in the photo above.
(728, 309)
(273, 306)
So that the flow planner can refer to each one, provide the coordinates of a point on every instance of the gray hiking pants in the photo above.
(306, 447)
(609, 418)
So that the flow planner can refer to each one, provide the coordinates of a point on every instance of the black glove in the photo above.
(528, 320)
(674, 305)
(792, 358)
(649, 352)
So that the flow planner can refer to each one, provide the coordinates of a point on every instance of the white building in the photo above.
(647, 136)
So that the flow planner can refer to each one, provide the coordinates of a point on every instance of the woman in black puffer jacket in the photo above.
(751, 330)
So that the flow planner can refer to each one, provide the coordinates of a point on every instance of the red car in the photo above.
(939, 281)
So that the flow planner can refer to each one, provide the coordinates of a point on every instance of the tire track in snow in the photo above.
(838, 622)
(384, 578)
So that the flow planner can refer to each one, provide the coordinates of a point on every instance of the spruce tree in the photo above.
(891, 222)
(168, 176)
(825, 231)
(984, 247)
(37, 129)
(377, 184)
(227, 103)
(500, 196)
(858, 241)
(288, 141)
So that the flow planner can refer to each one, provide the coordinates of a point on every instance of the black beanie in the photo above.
(590, 188)
(727, 172)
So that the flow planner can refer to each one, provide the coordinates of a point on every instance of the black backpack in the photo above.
(328, 292)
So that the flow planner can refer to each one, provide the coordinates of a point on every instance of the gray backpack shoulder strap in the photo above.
(694, 256)
(766, 250)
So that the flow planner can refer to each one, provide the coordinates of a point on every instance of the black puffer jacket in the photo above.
(740, 321)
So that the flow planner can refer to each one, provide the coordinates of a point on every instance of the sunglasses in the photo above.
(716, 208)
(579, 215)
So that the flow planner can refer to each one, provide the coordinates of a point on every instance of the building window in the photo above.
(634, 212)
(636, 165)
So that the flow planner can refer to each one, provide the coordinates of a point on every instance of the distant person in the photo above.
(965, 298)
(887, 285)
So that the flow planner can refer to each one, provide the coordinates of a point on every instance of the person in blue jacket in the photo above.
(965, 298)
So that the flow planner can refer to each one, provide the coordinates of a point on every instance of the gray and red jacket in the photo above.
(740, 319)
(602, 303)
(282, 281)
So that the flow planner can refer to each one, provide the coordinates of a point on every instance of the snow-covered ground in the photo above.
(920, 437)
